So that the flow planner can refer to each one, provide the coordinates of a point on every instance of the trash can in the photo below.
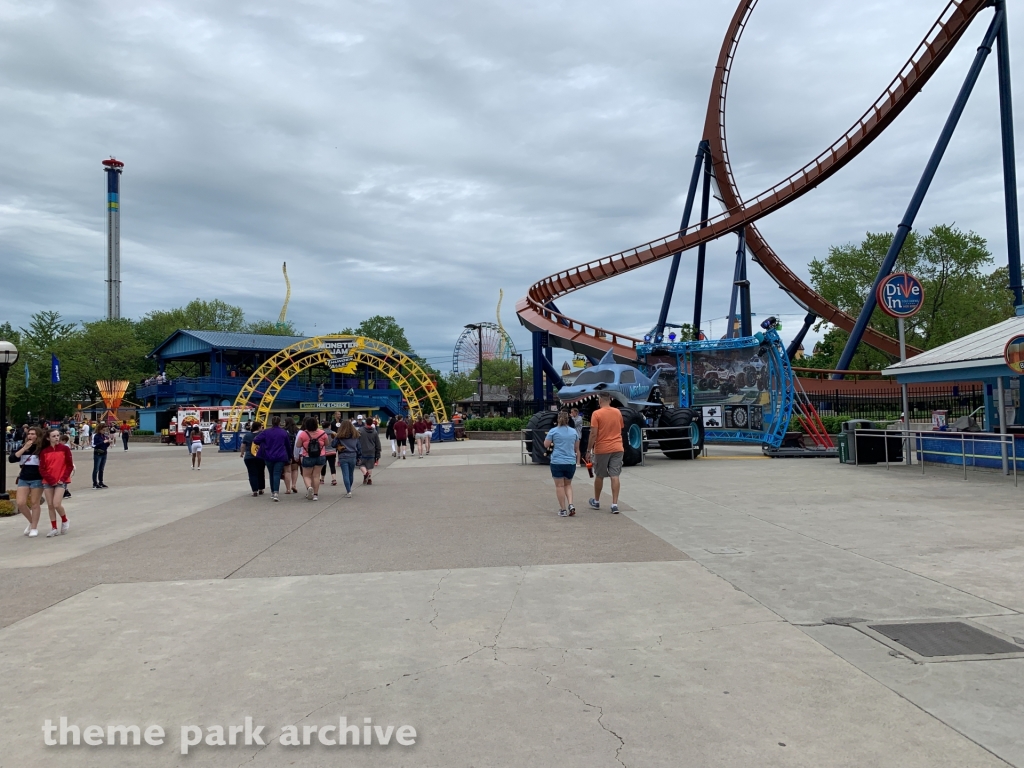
(229, 441)
(843, 442)
(852, 445)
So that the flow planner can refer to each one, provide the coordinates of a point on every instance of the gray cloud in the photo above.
(412, 158)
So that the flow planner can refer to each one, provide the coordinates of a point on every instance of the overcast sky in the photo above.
(412, 158)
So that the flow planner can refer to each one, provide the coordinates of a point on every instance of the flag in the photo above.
(26, 374)
(54, 369)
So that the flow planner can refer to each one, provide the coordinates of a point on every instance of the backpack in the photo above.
(314, 447)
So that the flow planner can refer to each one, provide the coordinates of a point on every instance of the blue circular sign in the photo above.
(900, 295)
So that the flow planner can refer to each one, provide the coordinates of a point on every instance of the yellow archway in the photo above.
(342, 354)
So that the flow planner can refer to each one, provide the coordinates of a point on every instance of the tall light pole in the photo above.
(8, 357)
(520, 356)
(480, 357)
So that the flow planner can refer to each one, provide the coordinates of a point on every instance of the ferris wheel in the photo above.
(497, 345)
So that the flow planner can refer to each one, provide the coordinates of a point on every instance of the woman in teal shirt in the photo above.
(564, 444)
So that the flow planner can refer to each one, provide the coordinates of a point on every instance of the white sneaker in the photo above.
(53, 532)
(33, 533)
(309, 494)
(315, 497)
(64, 526)
(348, 495)
(27, 529)
(274, 497)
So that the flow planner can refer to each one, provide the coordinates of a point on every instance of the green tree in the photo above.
(104, 349)
(455, 387)
(383, 328)
(271, 328)
(960, 296)
(197, 315)
(7, 333)
(45, 329)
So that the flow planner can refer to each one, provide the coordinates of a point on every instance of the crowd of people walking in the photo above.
(285, 451)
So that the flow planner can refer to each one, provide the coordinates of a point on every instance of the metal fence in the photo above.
(885, 404)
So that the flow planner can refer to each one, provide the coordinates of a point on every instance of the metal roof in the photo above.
(976, 350)
(183, 342)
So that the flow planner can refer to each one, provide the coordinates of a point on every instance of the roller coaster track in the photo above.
(535, 310)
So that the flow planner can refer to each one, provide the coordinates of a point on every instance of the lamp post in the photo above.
(480, 357)
(8, 357)
(520, 356)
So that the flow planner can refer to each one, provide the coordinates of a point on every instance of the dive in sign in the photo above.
(900, 295)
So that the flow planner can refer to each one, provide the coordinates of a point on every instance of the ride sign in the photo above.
(900, 295)
(1013, 353)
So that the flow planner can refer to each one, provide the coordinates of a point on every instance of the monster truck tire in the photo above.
(680, 426)
(632, 437)
(537, 429)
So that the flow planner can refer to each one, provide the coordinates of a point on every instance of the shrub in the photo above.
(7, 508)
(500, 424)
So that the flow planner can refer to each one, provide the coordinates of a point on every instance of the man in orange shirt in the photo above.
(605, 450)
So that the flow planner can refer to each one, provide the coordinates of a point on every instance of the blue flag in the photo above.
(54, 369)
(26, 374)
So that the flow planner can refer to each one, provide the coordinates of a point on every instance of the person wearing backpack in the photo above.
(369, 450)
(312, 443)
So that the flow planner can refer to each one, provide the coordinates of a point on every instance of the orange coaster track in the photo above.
(578, 336)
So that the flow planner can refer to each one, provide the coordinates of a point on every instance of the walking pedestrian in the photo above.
(100, 442)
(564, 444)
(290, 472)
(30, 480)
(421, 427)
(254, 464)
(429, 434)
(86, 434)
(55, 468)
(411, 431)
(331, 454)
(312, 442)
(274, 445)
(576, 422)
(66, 440)
(126, 432)
(346, 442)
(195, 447)
(605, 449)
(401, 433)
(369, 451)
(389, 433)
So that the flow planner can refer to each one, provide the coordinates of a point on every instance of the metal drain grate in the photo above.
(945, 638)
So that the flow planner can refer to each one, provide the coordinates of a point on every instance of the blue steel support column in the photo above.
(794, 345)
(549, 384)
(666, 302)
(538, 366)
(1009, 158)
(737, 272)
(746, 328)
(702, 249)
(922, 189)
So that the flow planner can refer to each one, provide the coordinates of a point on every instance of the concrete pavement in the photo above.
(689, 630)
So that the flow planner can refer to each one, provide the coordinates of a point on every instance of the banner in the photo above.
(26, 374)
(54, 369)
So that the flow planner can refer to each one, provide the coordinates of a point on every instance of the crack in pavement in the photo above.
(433, 594)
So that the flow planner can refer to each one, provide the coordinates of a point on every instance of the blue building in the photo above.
(208, 368)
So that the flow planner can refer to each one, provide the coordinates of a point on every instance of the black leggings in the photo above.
(257, 475)
(330, 461)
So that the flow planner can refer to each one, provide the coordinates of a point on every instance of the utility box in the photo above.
(229, 441)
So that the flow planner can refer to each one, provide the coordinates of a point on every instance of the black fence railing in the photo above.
(886, 404)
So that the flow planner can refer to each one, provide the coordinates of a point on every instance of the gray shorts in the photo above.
(608, 464)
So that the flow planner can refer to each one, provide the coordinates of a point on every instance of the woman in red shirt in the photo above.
(55, 465)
